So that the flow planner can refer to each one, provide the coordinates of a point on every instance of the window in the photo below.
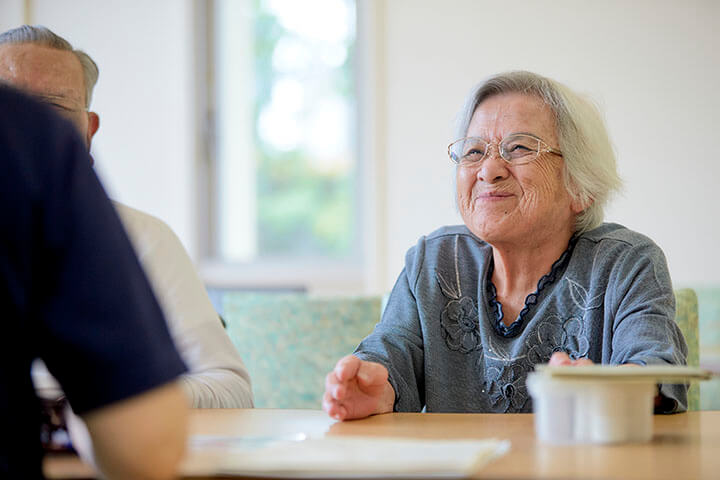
(282, 178)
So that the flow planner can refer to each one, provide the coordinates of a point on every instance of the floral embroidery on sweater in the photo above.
(459, 319)
(504, 372)
(506, 388)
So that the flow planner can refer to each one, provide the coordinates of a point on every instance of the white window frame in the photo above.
(363, 275)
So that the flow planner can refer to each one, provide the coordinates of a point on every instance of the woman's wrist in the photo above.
(386, 403)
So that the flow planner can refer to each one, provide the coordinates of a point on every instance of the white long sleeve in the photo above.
(217, 377)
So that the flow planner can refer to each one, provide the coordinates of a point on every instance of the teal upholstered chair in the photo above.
(709, 309)
(289, 342)
(686, 316)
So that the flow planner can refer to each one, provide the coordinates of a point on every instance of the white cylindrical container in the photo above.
(591, 411)
(554, 408)
(619, 411)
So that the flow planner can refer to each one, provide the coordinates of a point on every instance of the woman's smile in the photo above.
(493, 196)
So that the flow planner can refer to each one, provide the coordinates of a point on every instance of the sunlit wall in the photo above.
(652, 66)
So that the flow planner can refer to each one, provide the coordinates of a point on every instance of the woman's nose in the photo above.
(492, 168)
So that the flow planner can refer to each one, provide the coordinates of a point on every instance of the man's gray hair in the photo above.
(43, 36)
(590, 173)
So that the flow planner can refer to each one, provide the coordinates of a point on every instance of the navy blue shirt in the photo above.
(71, 289)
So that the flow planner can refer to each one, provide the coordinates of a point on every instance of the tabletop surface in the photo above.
(683, 446)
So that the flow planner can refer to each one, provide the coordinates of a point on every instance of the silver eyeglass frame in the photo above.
(547, 149)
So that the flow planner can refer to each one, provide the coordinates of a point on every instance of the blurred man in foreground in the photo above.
(40, 62)
(73, 293)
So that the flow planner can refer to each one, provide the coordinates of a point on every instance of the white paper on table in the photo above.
(344, 457)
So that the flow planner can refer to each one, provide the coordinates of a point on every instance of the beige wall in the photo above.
(652, 65)
(12, 12)
(144, 150)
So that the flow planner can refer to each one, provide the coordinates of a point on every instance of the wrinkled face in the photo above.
(519, 204)
(54, 76)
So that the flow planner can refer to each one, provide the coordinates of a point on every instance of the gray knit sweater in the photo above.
(608, 298)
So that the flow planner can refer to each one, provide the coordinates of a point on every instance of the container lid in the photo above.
(614, 373)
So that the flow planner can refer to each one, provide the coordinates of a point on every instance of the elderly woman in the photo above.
(533, 276)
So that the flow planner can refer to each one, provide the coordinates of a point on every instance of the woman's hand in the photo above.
(561, 358)
(357, 389)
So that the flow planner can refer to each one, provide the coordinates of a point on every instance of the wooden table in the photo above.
(684, 446)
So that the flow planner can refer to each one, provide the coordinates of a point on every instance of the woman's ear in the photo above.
(578, 202)
(579, 205)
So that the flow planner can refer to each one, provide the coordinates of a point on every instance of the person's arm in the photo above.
(645, 332)
(142, 437)
(397, 342)
(217, 377)
(386, 372)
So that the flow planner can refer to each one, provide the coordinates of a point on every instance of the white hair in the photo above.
(43, 36)
(590, 173)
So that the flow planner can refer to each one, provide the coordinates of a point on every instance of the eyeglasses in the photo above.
(515, 149)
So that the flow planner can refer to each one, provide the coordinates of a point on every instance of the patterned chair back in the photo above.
(686, 316)
(709, 310)
(289, 342)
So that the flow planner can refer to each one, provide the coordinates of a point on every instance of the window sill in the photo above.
(319, 277)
